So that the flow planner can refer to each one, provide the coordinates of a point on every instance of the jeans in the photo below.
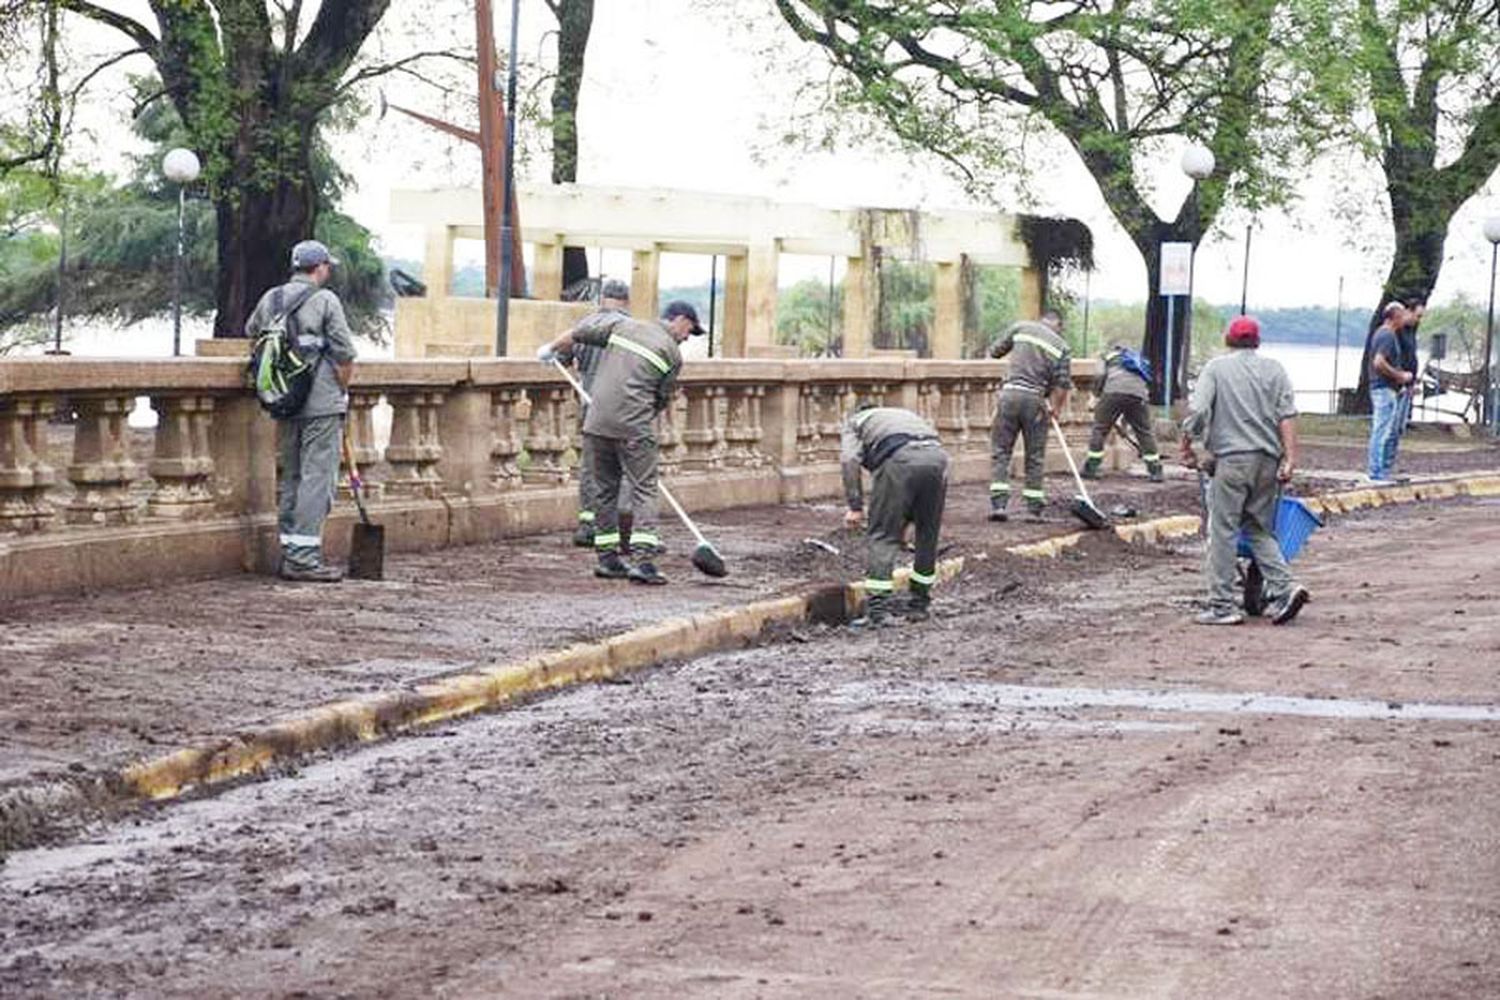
(1398, 430)
(1385, 409)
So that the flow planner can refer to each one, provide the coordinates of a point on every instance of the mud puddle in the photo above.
(978, 696)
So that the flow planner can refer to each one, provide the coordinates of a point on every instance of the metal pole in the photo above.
(62, 283)
(1338, 330)
(1489, 339)
(507, 239)
(713, 295)
(1245, 280)
(177, 277)
(1166, 395)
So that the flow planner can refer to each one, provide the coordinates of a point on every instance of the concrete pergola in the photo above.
(751, 233)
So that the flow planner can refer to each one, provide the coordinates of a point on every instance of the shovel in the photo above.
(367, 541)
(1083, 508)
(706, 558)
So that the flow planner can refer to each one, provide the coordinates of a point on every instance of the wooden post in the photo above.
(948, 310)
(645, 275)
(736, 301)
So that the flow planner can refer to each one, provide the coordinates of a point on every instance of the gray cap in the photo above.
(614, 288)
(310, 253)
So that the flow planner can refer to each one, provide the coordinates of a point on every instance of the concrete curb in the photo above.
(23, 812)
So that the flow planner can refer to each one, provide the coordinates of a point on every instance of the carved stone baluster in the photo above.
(703, 436)
(102, 469)
(362, 438)
(546, 438)
(982, 396)
(930, 396)
(25, 475)
(833, 401)
(953, 418)
(741, 433)
(505, 474)
(416, 446)
(669, 436)
(807, 423)
(182, 464)
(755, 432)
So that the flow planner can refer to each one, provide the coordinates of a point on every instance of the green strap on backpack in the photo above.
(279, 373)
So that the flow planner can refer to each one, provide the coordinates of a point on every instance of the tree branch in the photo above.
(372, 72)
(131, 28)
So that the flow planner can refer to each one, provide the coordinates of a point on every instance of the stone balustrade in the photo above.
(476, 449)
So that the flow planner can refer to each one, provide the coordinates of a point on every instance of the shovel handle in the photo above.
(1073, 466)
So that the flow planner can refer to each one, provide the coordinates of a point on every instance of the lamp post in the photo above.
(1491, 233)
(1197, 162)
(507, 219)
(180, 166)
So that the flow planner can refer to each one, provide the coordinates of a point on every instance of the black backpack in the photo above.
(279, 372)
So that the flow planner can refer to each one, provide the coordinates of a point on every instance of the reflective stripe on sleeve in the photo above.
(615, 340)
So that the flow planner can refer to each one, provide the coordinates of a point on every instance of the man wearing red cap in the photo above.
(1242, 408)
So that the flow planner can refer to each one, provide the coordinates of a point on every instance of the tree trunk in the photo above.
(575, 18)
(271, 222)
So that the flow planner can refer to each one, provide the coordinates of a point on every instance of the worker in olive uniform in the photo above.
(1123, 389)
(633, 382)
(1036, 387)
(614, 300)
(909, 483)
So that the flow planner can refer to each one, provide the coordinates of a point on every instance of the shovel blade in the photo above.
(708, 562)
(1090, 515)
(367, 552)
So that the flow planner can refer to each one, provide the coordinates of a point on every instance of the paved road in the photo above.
(887, 815)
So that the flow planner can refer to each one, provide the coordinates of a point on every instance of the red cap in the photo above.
(1244, 331)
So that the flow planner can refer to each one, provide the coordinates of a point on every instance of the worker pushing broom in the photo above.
(634, 381)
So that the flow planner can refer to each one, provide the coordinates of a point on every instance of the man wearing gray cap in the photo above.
(308, 441)
(614, 303)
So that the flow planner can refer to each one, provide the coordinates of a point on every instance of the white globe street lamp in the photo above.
(1491, 233)
(1197, 162)
(181, 167)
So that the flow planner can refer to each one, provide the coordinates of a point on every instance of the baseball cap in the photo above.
(310, 253)
(677, 307)
(1244, 331)
(614, 288)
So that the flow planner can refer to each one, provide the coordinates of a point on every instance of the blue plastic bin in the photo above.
(1295, 523)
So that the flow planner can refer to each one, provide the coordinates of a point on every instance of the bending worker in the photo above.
(909, 483)
(634, 381)
(1242, 408)
(1124, 389)
(614, 300)
(1036, 387)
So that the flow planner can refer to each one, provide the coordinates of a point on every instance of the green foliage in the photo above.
(1463, 321)
(904, 319)
(810, 317)
(992, 302)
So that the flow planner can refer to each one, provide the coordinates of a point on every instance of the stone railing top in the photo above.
(52, 375)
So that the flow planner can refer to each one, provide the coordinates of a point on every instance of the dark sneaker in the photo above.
(916, 608)
(1283, 611)
(1153, 472)
(997, 510)
(646, 572)
(1220, 616)
(583, 535)
(312, 574)
(612, 567)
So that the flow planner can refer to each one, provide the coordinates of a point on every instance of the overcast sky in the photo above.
(679, 93)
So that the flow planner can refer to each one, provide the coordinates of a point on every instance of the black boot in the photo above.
(877, 612)
(998, 502)
(611, 566)
(583, 535)
(1091, 468)
(1153, 472)
(917, 607)
(646, 572)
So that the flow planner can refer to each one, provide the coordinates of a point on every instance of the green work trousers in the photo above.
(308, 464)
(909, 487)
(1019, 413)
(625, 474)
(1137, 414)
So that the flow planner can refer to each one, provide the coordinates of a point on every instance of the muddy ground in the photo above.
(953, 809)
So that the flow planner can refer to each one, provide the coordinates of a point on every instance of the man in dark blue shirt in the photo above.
(1406, 339)
(1387, 380)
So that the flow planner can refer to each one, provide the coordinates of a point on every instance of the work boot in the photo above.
(1036, 512)
(611, 567)
(877, 612)
(1220, 616)
(311, 574)
(627, 527)
(646, 572)
(917, 606)
(1091, 468)
(1283, 611)
(583, 535)
(1153, 472)
(998, 503)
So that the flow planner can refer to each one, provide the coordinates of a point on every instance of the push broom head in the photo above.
(1090, 515)
(707, 561)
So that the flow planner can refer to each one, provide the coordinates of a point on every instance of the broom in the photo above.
(1083, 508)
(706, 558)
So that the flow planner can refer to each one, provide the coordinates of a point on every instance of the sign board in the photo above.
(1176, 268)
